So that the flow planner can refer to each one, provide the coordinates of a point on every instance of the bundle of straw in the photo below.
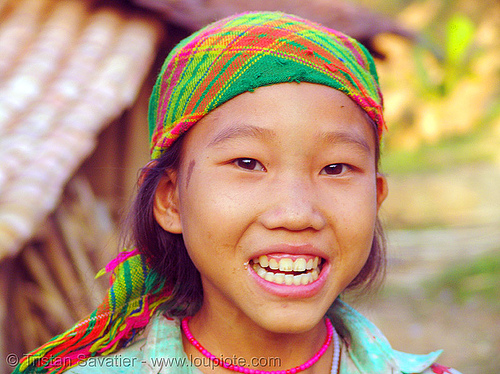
(52, 284)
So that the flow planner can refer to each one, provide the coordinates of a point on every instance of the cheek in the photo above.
(354, 230)
(211, 215)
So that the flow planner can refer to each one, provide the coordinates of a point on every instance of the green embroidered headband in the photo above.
(251, 50)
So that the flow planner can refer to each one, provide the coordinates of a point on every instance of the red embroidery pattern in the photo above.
(440, 369)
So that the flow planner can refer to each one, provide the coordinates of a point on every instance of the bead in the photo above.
(331, 335)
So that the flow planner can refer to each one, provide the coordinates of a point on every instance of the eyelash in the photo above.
(344, 168)
(252, 164)
(249, 163)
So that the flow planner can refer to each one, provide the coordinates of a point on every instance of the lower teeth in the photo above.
(288, 279)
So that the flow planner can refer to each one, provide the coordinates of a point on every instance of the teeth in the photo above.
(288, 279)
(273, 264)
(263, 261)
(314, 274)
(309, 268)
(309, 264)
(299, 264)
(286, 264)
(306, 278)
(279, 278)
(261, 272)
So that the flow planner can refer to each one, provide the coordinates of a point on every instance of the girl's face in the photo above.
(276, 197)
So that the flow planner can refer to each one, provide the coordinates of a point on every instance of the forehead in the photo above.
(286, 112)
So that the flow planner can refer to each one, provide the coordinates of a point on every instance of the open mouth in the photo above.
(300, 270)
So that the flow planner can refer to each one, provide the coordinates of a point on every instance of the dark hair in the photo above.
(165, 252)
(167, 255)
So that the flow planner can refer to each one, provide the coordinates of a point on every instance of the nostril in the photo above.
(294, 218)
(293, 204)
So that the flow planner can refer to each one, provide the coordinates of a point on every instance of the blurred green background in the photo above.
(442, 158)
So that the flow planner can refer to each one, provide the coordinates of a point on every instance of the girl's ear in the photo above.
(382, 189)
(166, 204)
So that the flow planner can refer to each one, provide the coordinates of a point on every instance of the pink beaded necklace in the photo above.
(297, 369)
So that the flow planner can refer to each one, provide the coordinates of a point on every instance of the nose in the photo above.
(293, 206)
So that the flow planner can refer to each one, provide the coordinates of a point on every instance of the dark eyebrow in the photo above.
(241, 131)
(335, 137)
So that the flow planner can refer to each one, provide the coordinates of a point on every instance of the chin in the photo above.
(290, 320)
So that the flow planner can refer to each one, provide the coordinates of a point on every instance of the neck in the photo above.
(235, 337)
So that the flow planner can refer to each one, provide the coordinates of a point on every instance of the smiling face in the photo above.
(276, 198)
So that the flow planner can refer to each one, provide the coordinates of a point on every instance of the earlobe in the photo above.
(166, 204)
(382, 189)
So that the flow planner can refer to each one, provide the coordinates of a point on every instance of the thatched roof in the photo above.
(67, 68)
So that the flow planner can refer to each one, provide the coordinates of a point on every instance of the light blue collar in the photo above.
(159, 350)
(370, 352)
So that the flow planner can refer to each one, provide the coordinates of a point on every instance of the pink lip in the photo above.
(292, 291)
(287, 249)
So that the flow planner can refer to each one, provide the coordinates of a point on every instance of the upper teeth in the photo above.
(285, 265)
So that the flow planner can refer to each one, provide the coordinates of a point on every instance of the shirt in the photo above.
(159, 350)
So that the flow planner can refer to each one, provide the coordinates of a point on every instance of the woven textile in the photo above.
(135, 294)
(251, 50)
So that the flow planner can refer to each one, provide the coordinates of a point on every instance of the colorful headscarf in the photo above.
(227, 58)
(251, 50)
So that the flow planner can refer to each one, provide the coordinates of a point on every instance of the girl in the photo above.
(257, 211)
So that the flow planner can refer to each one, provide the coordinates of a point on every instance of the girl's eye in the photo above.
(249, 164)
(334, 169)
